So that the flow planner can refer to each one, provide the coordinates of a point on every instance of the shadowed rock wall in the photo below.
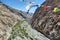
(47, 21)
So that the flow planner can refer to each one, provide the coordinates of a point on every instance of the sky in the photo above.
(20, 4)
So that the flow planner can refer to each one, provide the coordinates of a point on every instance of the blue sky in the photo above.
(20, 5)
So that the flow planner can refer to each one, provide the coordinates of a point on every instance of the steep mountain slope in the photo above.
(13, 25)
(47, 21)
(7, 20)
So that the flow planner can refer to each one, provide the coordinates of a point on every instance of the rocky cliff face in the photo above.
(47, 21)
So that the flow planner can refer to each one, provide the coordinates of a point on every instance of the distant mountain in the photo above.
(19, 12)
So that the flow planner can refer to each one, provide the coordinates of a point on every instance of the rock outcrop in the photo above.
(47, 21)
